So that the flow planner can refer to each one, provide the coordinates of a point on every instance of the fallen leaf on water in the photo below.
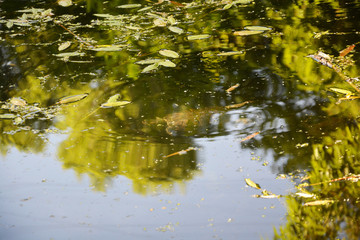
(246, 32)
(160, 22)
(238, 105)
(176, 30)
(343, 91)
(344, 52)
(198, 37)
(65, 3)
(150, 68)
(257, 28)
(149, 61)
(108, 48)
(18, 102)
(230, 53)
(318, 202)
(232, 88)
(7, 116)
(169, 53)
(64, 45)
(250, 136)
(129, 6)
(113, 98)
(305, 195)
(72, 99)
(252, 184)
(167, 63)
(182, 152)
(114, 104)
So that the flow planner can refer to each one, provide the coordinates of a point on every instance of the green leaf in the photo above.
(149, 61)
(169, 53)
(114, 104)
(246, 32)
(150, 68)
(176, 30)
(108, 48)
(227, 6)
(167, 63)
(257, 28)
(343, 91)
(69, 54)
(64, 46)
(252, 184)
(198, 37)
(72, 99)
(129, 6)
(65, 3)
(230, 53)
(113, 98)
(7, 116)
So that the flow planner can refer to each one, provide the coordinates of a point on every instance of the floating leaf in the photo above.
(167, 63)
(252, 184)
(246, 32)
(129, 6)
(250, 136)
(198, 37)
(232, 88)
(171, 20)
(103, 15)
(169, 53)
(238, 105)
(18, 102)
(230, 53)
(150, 68)
(114, 104)
(305, 195)
(318, 202)
(145, 9)
(182, 152)
(113, 98)
(72, 99)
(160, 22)
(343, 91)
(344, 52)
(149, 61)
(65, 3)
(69, 54)
(7, 116)
(108, 48)
(257, 28)
(227, 6)
(64, 46)
(176, 30)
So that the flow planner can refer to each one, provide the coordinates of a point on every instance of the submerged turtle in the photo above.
(192, 121)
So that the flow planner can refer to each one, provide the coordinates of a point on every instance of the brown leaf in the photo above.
(344, 52)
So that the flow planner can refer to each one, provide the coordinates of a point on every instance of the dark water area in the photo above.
(179, 120)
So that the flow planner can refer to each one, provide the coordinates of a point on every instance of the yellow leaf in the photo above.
(252, 184)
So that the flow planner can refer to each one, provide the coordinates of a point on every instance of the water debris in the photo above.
(167, 63)
(250, 136)
(238, 105)
(198, 37)
(323, 59)
(346, 51)
(148, 61)
(319, 202)
(176, 30)
(18, 102)
(71, 99)
(65, 3)
(232, 88)
(252, 184)
(182, 152)
(169, 53)
(231, 53)
(150, 68)
(257, 28)
(114, 104)
(247, 32)
(108, 48)
(7, 116)
(64, 45)
(129, 6)
(343, 91)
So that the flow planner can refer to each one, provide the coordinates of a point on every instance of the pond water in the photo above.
(179, 120)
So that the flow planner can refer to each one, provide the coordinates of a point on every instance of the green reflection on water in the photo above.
(171, 106)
